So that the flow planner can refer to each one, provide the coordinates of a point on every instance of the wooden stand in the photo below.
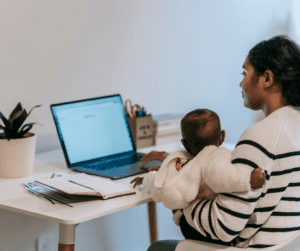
(64, 247)
(152, 216)
(66, 237)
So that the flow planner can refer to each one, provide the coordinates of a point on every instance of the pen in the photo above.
(128, 108)
(133, 112)
(55, 175)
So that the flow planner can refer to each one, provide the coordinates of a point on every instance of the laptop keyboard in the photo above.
(114, 163)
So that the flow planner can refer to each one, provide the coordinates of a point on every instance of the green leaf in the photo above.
(33, 108)
(2, 136)
(10, 134)
(6, 122)
(16, 115)
(1, 115)
(19, 120)
(17, 109)
(26, 128)
(16, 119)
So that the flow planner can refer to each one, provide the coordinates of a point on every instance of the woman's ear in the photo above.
(222, 136)
(268, 78)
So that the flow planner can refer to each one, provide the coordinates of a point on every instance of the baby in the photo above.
(203, 170)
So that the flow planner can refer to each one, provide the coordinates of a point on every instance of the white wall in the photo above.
(170, 56)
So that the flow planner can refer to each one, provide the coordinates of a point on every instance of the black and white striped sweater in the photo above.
(263, 217)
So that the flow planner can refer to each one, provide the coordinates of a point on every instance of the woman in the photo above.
(268, 216)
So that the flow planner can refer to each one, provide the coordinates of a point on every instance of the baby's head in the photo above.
(200, 128)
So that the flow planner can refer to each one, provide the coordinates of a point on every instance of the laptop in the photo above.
(96, 138)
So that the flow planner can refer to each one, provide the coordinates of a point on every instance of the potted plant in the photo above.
(17, 144)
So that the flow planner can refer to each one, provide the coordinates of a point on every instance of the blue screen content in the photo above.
(93, 129)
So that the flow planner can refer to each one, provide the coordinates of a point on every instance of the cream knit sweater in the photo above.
(176, 189)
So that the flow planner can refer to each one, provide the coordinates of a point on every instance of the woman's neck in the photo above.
(273, 103)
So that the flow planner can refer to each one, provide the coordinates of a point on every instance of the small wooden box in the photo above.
(143, 130)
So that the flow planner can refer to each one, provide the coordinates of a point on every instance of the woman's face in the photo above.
(251, 91)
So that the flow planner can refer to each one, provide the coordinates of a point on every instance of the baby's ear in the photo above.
(185, 145)
(222, 136)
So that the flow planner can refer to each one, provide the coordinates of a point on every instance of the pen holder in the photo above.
(143, 130)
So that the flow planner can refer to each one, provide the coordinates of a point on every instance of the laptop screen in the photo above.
(93, 128)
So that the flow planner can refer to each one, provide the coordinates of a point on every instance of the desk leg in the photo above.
(152, 216)
(66, 237)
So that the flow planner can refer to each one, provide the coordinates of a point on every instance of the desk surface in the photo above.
(17, 199)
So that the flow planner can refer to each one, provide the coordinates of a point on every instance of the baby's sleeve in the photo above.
(224, 177)
(149, 184)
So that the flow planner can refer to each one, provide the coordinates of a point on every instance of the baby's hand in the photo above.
(258, 178)
(180, 162)
(137, 181)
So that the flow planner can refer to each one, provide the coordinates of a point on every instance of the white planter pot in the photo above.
(17, 157)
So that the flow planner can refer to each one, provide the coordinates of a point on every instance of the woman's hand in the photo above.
(154, 155)
(137, 181)
(150, 169)
(258, 178)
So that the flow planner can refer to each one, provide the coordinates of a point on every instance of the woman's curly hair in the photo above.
(280, 55)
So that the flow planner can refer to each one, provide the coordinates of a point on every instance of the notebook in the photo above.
(95, 137)
(86, 185)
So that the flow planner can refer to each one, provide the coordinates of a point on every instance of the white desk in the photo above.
(15, 198)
